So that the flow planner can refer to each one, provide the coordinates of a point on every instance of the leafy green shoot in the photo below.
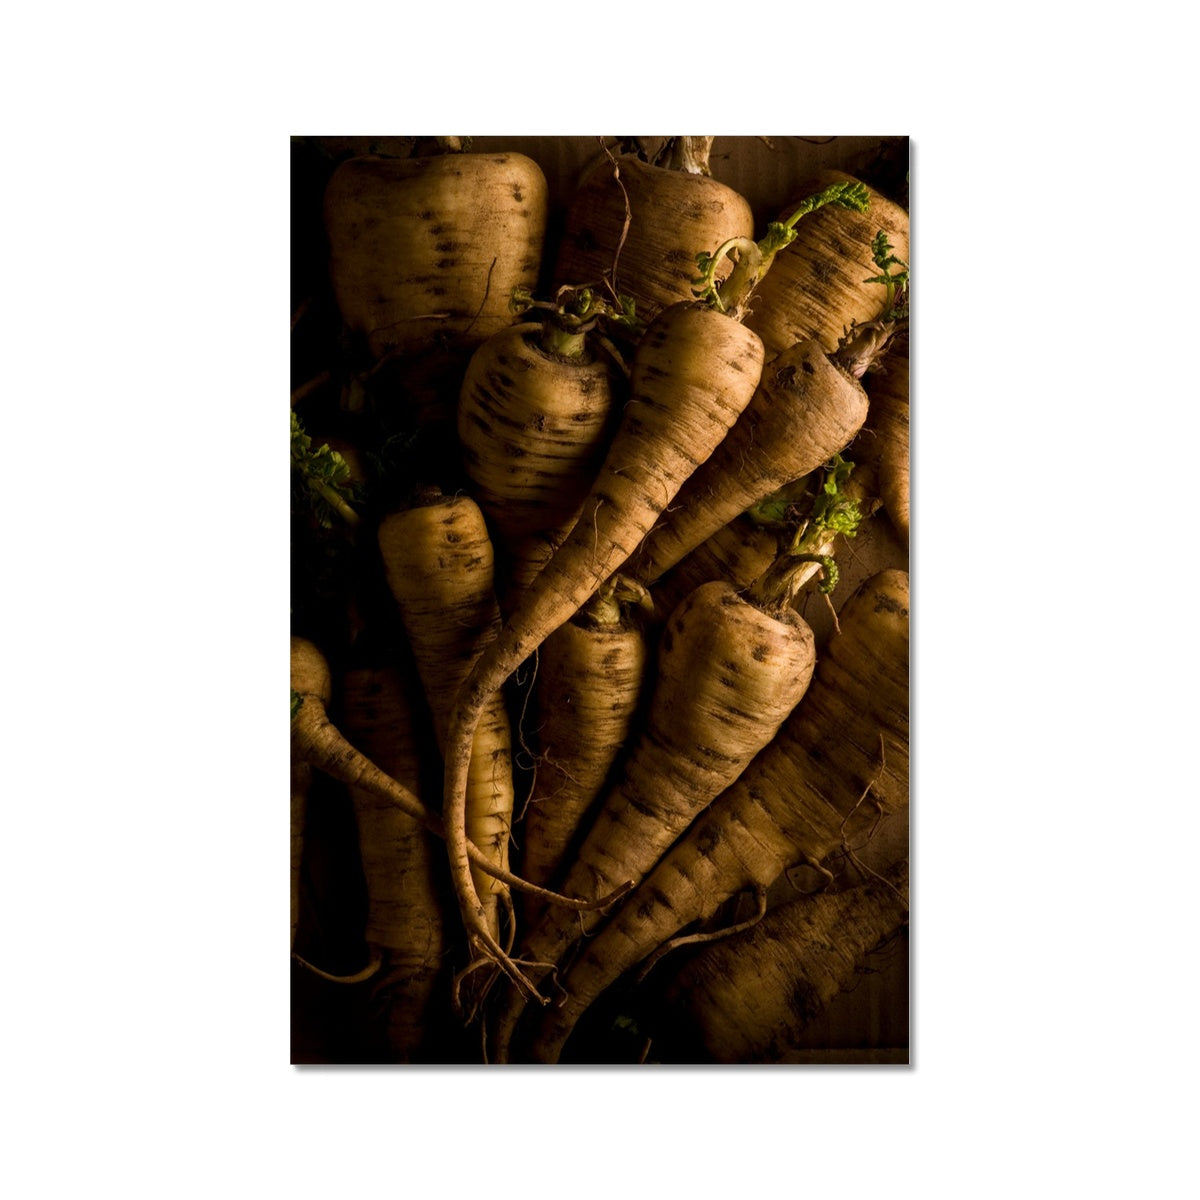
(574, 312)
(831, 512)
(829, 570)
(297, 703)
(322, 475)
(895, 306)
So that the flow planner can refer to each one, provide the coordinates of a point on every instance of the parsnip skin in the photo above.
(889, 424)
(586, 692)
(739, 552)
(427, 251)
(751, 996)
(694, 372)
(728, 675)
(815, 288)
(310, 675)
(439, 563)
(673, 216)
(405, 904)
(532, 429)
(804, 411)
(317, 741)
(804, 796)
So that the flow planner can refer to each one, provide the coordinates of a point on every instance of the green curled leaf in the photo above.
(830, 569)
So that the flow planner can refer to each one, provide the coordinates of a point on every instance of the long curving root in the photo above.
(316, 740)
(848, 850)
(368, 972)
(715, 936)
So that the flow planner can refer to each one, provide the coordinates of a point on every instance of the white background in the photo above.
(146, 592)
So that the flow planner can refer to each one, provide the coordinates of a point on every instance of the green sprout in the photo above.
(755, 258)
(896, 284)
(832, 512)
(574, 312)
(297, 703)
(323, 475)
(627, 317)
(521, 300)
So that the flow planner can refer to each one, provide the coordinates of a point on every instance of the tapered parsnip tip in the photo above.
(367, 972)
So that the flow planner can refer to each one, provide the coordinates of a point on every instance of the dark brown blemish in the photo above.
(639, 806)
(804, 1001)
(885, 603)
(823, 270)
(760, 652)
(809, 369)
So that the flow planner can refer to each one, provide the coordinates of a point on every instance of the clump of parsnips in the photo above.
(688, 405)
